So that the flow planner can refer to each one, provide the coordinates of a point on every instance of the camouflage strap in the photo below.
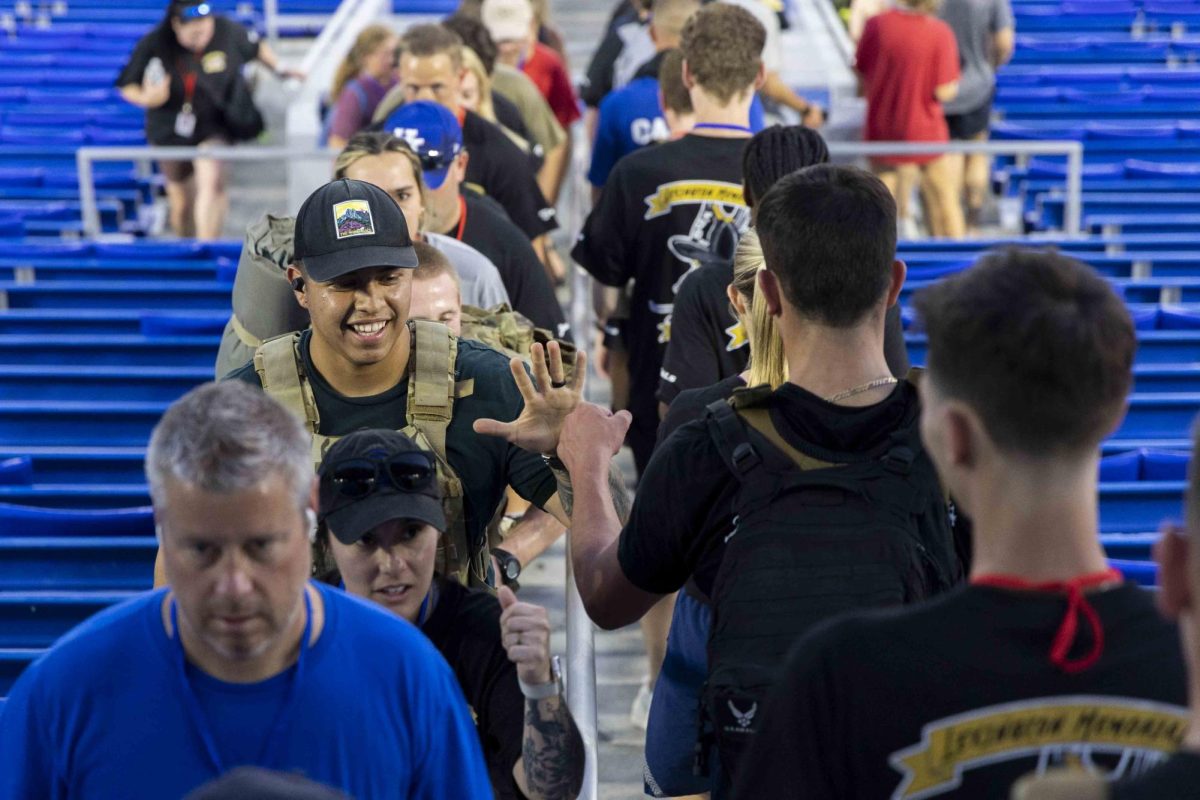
(432, 390)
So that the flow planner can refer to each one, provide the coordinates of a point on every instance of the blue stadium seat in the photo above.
(77, 563)
(67, 383)
(110, 350)
(79, 465)
(1143, 573)
(108, 423)
(1129, 546)
(37, 619)
(77, 522)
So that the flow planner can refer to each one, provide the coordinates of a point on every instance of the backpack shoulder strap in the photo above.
(759, 418)
(280, 370)
(431, 381)
(729, 435)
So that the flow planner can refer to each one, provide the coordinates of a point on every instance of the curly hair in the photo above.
(722, 45)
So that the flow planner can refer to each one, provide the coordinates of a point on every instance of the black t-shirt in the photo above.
(708, 343)
(957, 697)
(598, 77)
(509, 115)
(684, 505)
(1176, 779)
(232, 46)
(484, 464)
(493, 234)
(504, 171)
(666, 209)
(690, 404)
(465, 628)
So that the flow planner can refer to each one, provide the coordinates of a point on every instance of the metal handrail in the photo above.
(1073, 211)
(86, 156)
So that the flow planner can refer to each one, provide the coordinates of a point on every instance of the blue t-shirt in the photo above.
(631, 118)
(378, 714)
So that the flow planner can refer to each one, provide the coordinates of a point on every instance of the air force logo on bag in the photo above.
(353, 218)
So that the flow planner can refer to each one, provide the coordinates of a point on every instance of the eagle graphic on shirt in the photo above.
(721, 218)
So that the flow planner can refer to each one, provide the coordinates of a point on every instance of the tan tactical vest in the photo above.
(432, 390)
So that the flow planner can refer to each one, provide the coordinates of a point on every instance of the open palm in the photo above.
(547, 403)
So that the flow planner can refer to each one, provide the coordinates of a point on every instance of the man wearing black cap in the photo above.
(363, 365)
(381, 514)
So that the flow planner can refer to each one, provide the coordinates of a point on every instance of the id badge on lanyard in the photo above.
(185, 120)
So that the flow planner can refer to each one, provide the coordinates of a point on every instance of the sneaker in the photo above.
(639, 712)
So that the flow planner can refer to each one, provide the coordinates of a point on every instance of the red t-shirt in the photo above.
(902, 57)
(549, 75)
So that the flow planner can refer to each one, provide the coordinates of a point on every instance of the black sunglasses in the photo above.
(434, 159)
(356, 478)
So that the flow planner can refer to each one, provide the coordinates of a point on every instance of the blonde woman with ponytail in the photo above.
(767, 364)
(362, 79)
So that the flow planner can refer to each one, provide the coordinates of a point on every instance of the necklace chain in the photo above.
(857, 390)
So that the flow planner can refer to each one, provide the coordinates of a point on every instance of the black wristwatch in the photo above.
(510, 568)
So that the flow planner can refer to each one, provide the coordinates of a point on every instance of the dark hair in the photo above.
(675, 95)
(423, 41)
(1038, 344)
(777, 151)
(829, 234)
(475, 35)
(723, 46)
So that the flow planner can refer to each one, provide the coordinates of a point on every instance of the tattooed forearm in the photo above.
(621, 496)
(552, 754)
(566, 493)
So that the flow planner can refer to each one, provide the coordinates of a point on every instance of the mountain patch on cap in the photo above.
(353, 218)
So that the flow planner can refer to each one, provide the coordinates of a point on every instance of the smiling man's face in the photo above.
(358, 318)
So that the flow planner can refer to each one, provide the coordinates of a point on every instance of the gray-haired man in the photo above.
(240, 661)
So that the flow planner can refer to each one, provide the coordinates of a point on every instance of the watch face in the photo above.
(512, 569)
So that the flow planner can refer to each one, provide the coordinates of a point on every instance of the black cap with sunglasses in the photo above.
(375, 476)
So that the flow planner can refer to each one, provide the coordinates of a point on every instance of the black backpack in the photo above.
(815, 533)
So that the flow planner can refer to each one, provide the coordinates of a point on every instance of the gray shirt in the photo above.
(975, 23)
(482, 286)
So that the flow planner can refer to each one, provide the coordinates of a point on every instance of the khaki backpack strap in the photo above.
(760, 420)
(431, 384)
(247, 338)
(278, 364)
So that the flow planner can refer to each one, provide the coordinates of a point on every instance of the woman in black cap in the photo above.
(381, 518)
(187, 73)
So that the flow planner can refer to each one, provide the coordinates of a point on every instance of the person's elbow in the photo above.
(946, 92)
(1003, 45)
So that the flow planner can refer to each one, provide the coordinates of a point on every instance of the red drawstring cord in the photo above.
(1077, 604)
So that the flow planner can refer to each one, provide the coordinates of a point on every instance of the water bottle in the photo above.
(155, 72)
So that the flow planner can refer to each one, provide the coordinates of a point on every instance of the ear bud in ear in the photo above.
(311, 518)
(298, 284)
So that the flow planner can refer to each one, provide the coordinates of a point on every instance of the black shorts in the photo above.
(970, 124)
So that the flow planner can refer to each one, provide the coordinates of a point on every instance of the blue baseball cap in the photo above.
(433, 132)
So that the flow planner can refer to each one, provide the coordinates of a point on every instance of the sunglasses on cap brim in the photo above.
(356, 478)
(195, 12)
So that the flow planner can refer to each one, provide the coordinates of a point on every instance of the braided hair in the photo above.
(777, 151)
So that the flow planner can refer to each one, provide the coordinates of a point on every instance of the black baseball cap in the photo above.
(375, 476)
(351, 225)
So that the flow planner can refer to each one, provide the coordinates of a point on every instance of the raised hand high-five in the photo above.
(547, 403)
